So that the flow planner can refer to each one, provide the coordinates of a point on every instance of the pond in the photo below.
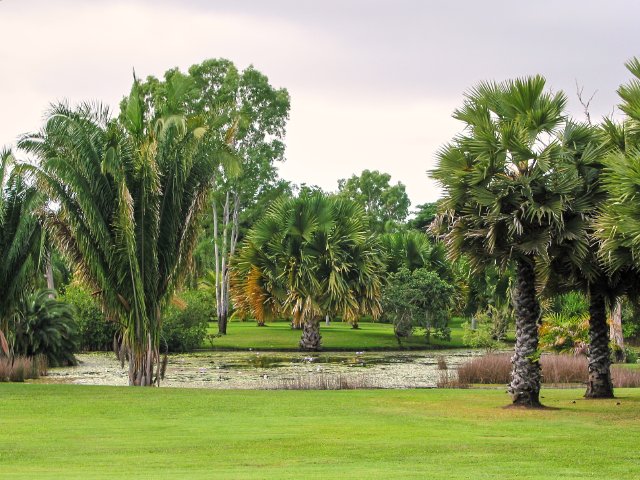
(275, 370)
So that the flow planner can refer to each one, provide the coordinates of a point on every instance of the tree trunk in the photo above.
(615, 331)
(525, 376)
(310, 340)
(599, 385)
(142, 359)
(49, 273)
(224, 247)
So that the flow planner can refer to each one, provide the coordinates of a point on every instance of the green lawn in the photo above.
(68, 431)
(337, 336)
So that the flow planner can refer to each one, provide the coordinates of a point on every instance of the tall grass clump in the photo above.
(21, 368)
(491, 368)
(625, 377)
(495, 368)
(327, 382)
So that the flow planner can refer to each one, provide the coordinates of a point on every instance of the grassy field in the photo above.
(337, 336)
(68, 431)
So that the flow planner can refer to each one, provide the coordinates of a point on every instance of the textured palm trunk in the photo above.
(525, 376)
(310, 340)
(599, 384)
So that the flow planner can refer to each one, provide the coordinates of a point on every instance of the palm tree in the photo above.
(575, 263)
(618, 223)
(309, 257)
(412, 249)
(20, 240)
(129, 195)
(507, 187)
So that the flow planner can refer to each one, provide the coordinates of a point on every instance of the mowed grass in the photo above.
(79, 432)
(335, 337)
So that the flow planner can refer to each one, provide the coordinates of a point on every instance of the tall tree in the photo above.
(250, 115)
(575, 263)
(384, 204)
(129, 195)
(20, 240)
(507, 186)
(618, 225)
(308, 257)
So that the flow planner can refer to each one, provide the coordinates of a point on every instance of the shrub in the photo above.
(44, 325)
(565, 327)
(94, 332)
(418, 299)
(481, 337)
(184, 325)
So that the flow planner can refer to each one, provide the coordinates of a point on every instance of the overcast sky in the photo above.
(373, 83)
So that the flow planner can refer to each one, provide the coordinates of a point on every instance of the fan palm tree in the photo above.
(575, 262)
(308, 257)
(507, 187)
(129, 194)
(618, 223)
(20, 240)
(412, 249)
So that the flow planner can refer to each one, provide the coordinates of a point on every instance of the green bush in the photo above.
(565, 324)
(185, 326)
(418, 299)
(95, 333)
(44, 326)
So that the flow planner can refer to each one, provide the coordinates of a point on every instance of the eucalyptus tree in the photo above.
(308, 257)
(249, 114)
(507, 186)
(20, 240)
(129, 192)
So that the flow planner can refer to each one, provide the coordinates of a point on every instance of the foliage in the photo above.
(618, 225)
(506, 180)
(411, 249)
(184, 327)
(44, 325)
(631, 320)
(383, 203)
(417, 299)
(130, 192)
(491, 327)
(95, 332)
(565, 326)
(20, 238)
(308, 257)
(424, 216)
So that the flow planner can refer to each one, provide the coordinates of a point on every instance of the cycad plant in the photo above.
(306, 258)
(507, 186)
(129, 192)
(44, 325)
(20, 240)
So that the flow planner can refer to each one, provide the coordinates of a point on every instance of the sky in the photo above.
(373, 83)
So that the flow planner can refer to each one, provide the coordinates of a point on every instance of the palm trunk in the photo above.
(600, 384)
(310, 340)
(525, 376)
(142, 359)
